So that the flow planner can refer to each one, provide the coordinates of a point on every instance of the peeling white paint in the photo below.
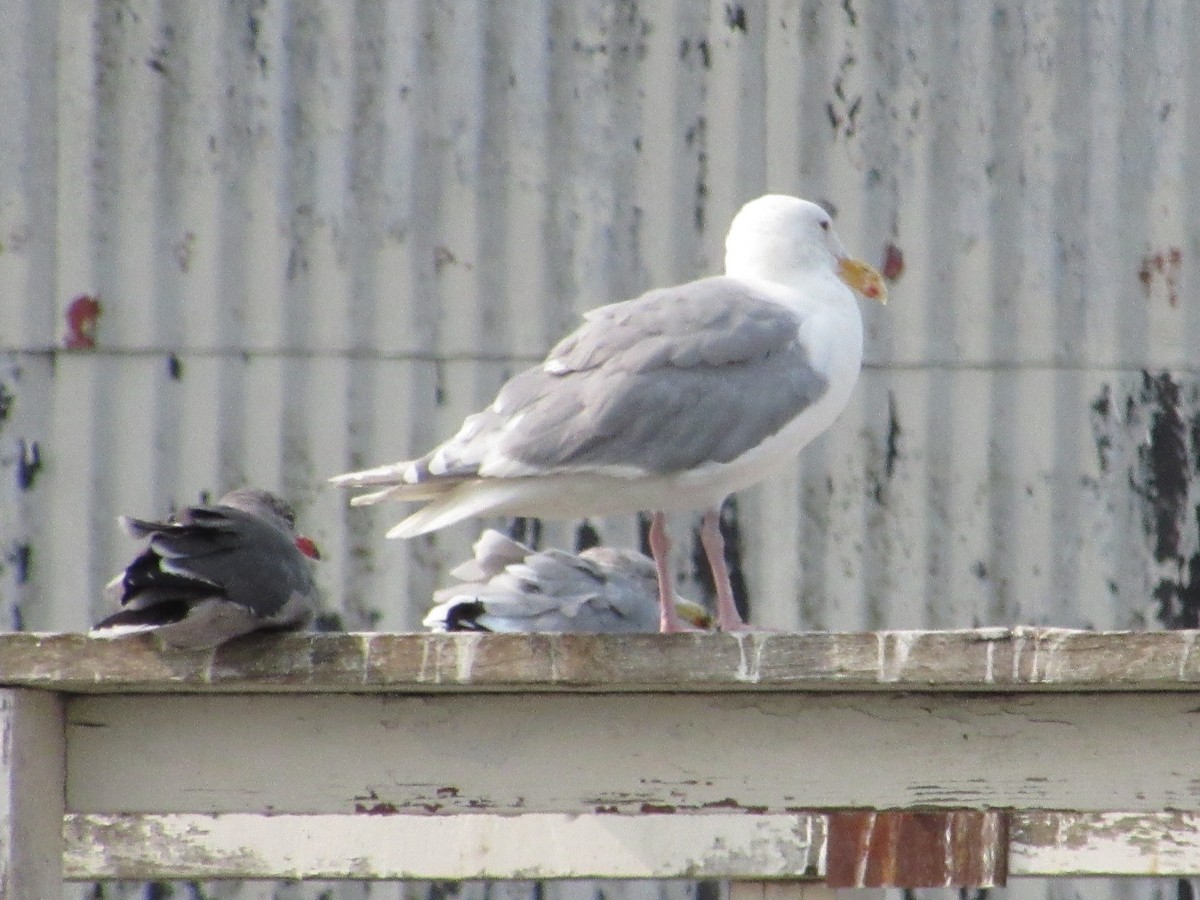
(1185, 655)
(750, 662)
(465, 646)
(894, 648)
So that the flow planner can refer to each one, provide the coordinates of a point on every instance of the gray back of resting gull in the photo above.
(212, 573)
(670, 401)
(509, 587)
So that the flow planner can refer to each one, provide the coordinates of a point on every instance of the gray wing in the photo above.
(669, 381)
(680, 377)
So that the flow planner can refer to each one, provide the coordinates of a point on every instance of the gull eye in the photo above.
(824, 224)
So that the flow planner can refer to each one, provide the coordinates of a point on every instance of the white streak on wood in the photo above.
(1185, 655)
(989, 674)
(1047, 656)
(427, 645)
(365, 643)
(210, 658)
(1017, 649)
(892, 664)
(464, 655)
(749, 663)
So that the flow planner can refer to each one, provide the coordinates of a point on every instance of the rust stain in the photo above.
(383, 808)
(376, 809)
(651, 808)
(897, 848)
(82, 315)
(1166, 264)
(893, 262)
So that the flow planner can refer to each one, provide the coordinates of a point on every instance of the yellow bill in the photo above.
(863, 278)
(694, 614)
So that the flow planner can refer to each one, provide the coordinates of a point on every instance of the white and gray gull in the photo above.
(670, 401)
(213, 573)
(509, 587)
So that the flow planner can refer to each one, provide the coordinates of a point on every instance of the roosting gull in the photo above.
(670, 401)
(508, 587)
(212, 573)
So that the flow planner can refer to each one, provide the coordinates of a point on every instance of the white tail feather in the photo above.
(457, 505)
(389, 474)
(407, 493)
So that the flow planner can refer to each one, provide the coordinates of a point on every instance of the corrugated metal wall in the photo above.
(319, 233)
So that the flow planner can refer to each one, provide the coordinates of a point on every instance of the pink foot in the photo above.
(728, 618)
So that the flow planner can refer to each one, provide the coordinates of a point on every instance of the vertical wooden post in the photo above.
(32, 794)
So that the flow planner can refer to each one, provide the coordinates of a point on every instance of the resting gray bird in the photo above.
(670, 401)
(508, 586)
(212, 573)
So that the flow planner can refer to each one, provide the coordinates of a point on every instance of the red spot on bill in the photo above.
(82, 315)
(893, 262)
(308, 547)
(1164, 265)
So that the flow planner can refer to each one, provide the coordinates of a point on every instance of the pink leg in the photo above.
(714, 548)
(660, 549)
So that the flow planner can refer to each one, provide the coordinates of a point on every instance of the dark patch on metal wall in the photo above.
(20, 557)
(1101, 412)
(29, 463)
(586, 537)
(526, 530)
(893, 437)
(1162, 415)
(1164, 463)
(7, 399)
(1166, 266)
(735, 17)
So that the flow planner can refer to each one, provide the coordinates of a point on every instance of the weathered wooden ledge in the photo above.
(977, 660)
(896, 758)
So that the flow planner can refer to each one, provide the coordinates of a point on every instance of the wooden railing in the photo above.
(806, 760)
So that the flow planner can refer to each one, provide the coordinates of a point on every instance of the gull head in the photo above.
(785, 239)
